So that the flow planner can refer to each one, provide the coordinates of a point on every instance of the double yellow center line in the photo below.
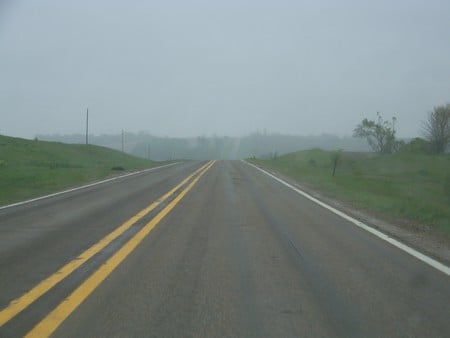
(50, 323)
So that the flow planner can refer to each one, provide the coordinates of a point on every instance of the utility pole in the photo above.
(148, 151)
(87, 126)
(122, 141)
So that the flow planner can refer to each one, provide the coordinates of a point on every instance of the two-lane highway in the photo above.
(209, 250)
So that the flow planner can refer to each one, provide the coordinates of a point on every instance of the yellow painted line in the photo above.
(54, 319)
(21, 303)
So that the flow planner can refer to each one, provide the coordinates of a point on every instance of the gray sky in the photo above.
(187, 68)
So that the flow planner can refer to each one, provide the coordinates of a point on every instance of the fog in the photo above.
(190, 68)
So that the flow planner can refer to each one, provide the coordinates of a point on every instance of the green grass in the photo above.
(404, 186)
(34, 168)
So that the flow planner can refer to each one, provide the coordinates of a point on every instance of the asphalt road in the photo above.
(231, 253)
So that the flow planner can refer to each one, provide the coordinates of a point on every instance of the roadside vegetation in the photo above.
(436, 128)
(406, 185)
(33, 168)
(380, 134)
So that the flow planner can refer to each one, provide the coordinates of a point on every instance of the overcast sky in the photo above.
(188, 68)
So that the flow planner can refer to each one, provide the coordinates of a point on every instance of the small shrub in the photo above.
(335, 158)
(118, 168)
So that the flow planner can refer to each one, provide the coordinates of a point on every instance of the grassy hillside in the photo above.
(408, 186)
(34, 168)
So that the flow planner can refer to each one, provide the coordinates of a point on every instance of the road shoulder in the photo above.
(423, 239)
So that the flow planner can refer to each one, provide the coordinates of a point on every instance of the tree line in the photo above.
(381, 134)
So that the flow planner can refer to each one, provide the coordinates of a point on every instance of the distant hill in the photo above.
(33, 168)
(259, 144)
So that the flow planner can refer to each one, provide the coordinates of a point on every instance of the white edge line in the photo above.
(428, 260)
(85, 186)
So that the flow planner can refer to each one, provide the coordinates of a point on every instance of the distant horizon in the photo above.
(202, 147)
(260, 132)
(256, 132)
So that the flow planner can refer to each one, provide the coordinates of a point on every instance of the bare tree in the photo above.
(335, 157)
(437, 128)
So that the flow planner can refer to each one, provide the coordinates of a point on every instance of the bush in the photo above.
(417, 146)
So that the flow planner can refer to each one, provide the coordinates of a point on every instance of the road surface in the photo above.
(229, 252)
